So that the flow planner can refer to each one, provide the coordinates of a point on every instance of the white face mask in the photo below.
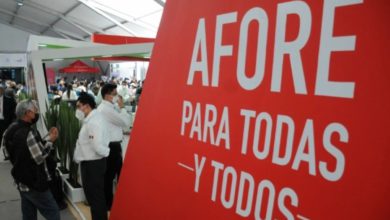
(115, 99)
(80, 114)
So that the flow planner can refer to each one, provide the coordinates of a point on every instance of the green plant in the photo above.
(22, 96)
(73, 128)
(62, 141)
(63, 117)
(51, 115)
(50, 119)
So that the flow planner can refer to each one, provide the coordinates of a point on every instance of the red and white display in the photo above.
(263, 110)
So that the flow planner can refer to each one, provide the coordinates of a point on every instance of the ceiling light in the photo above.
(19, 2)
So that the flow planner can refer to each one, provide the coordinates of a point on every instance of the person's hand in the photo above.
(120, 102)
(53, 134)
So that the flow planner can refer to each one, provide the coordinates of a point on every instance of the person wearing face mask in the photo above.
(117, 120)
(124, 92)
(7, 112)
(91, 152)
(29, 155)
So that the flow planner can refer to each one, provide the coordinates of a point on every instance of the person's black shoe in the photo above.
(62, 205)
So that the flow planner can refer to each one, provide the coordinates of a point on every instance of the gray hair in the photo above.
(24, 106)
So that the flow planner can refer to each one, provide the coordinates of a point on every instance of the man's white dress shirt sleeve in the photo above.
(100, 139)
(120, 119)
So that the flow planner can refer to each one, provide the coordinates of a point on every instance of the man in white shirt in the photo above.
(99, 98)
(124, 92)
(117, 120)
(82, 88)
(91, 151)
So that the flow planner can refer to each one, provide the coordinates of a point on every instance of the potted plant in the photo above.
(69, 127)
(51, 116)
(55, 117)
(62, 141)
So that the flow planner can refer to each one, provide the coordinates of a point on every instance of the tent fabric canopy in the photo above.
(79, 19)
(79, 67)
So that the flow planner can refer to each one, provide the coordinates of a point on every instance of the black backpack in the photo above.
(7, 139)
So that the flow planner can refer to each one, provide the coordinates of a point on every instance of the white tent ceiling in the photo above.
(79, 19)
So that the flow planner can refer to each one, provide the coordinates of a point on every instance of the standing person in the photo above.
(116, 121)
(124, 92)
(133, 95)
(61, 85)
(138, 94)
(69, 94)
(29, 156)
(91, 152)
(99, 95)
(82, 87)
(7, 111)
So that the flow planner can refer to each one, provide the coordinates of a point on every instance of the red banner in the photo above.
(263, 110)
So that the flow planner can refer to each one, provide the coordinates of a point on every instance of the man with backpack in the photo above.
(29, 153)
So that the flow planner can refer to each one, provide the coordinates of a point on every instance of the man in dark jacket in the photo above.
(7, 111)
(28, 154)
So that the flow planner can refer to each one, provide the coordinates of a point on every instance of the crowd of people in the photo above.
(10, 93)
(12, 89)
(70, 90)
(100, 107)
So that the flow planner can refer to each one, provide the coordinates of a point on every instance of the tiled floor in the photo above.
(10, 199)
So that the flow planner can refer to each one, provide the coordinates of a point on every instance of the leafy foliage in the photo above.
(63, 117)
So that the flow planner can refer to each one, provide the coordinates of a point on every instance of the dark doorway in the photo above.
(14, 74)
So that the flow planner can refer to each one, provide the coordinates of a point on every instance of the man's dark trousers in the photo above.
(92, 175)
(114, 166)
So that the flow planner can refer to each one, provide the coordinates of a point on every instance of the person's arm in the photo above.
(38, 150)
(3, 147)
(121, 119)
(97, 134)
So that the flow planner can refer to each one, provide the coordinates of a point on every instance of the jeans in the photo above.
(42, 201)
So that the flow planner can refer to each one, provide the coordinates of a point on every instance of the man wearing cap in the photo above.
(7, 111)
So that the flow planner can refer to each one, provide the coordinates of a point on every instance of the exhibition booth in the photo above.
(45, 66)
